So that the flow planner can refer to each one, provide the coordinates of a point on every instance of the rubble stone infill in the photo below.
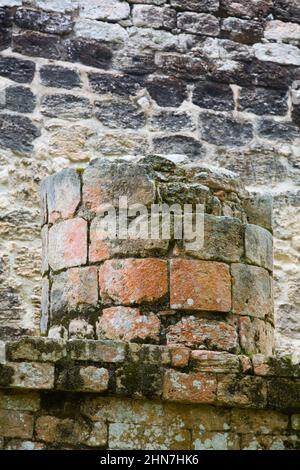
(117, 395)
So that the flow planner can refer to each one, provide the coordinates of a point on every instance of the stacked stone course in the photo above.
(160, 291)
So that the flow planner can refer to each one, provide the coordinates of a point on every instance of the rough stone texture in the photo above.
(128, 324)
(252, 291)
(201, 334)
(35, 146)
(259, 246)
(133, 281)
(68, 244)
(199, 285)
(192, 388)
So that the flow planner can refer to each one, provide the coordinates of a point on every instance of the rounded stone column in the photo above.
(212, 296)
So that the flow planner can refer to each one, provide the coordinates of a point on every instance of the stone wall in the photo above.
(87, 394)
(211, 79)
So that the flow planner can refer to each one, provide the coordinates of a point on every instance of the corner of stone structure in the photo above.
(152, 343)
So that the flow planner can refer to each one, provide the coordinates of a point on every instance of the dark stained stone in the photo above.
(224, 130)
(296, 114)
(19, 70)
(119, 114)
(6, 17)
(244, 31)
(172, 121)
(263, 101)
(166, 91)
(45, 22)
(37, 44)
(17, 132)
(198, 23)
(181, 65)
(246, 8)
(60, 77)
(88, 52)
(5, 38)
(207, 6)
(271, 75)
(273, 130)
(213, 96)
(122, 85)
(288, 10)
(20, 99)
(179, 144)
(136, 62)
(65, 106)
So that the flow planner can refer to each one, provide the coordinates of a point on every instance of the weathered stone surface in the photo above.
(215, 362)
(244, 8)
(114, 84)
(68, 244)
(82, 378)
(283, 393)
(263, 101)
(171, 121)
(246, 392)
(59, 77)
(200, 285)
(74, 290)
(125, 436)
(285, 54)
(104, 182)
(179, 144)
(123, 281)
(259, 208)
(259, 246)
(243, 31)
(16, 444)
(200, 333)
(183, 66)
(196, 5)
(44, 307)
(19, 70)
(63, 194)
(166, 91)
(16, 424)
(17, 132)
(282, 131)
(223, 240)
(29, 401)
(53, 23)
(296, 422)
(281, 31)
(65, 430)
(179, 356)
(256, 336)
(35, 349)
(103, 247)
(133, 60)
(128, 324)
(96, 351)
(29, 375)
(263, 442)
(19, 99)
(36, 44)
(287, 10)
(88, 52)
(80, 328)
(215, 441)
(189, 388)
(98, 30)
(214, 96)
(118, 114)
(224, 130)
(118, 144)
(251, 291)
(258, 421)
(61, 6)
(198, 23)
(154, 17)
(65, 106)
(110, 10)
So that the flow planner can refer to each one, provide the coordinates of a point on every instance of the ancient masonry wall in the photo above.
(211, 79)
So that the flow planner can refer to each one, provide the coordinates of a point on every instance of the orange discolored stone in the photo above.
(200, 285)
(131, 281)
(189, 388)
(68, 244)
(128, 324)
